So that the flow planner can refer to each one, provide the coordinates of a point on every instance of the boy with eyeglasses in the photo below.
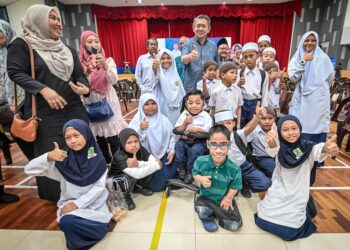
(219, 179)
(238, 152)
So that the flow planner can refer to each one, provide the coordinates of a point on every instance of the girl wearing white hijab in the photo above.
(155, 131)
(170, 90)
(59, 82)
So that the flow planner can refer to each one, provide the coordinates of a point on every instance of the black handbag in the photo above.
(123, 182)
(99, 111)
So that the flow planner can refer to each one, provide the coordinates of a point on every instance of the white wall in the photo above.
(345, 39)
(16, 11)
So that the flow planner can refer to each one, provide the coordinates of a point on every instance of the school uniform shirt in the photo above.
(90, 199)
(274, 95)
(285, 201)
(234, 154)
(226, 98)
(144, 73)
(144, 168)
(202, 120)
(211, 85)
(224, 177)
(193, 70)
(252, 90)
(260, 64)
(258, 141)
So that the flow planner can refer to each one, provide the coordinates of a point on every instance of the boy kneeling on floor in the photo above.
(219, 180)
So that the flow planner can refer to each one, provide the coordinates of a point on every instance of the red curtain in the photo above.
(224, 27)
(181, 27)
(215, 10)
(124, 40)
(158, 28)
(278, 28)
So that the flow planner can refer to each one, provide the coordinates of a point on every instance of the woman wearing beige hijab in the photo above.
(59, 82)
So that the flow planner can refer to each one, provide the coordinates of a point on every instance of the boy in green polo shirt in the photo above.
(219, 180)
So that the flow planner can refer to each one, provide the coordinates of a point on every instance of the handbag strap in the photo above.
(31, 55)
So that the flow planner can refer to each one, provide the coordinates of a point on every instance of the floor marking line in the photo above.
(329, 188)
(132, 111)
(14, 186)
(335, 167)
(12, 166)
(24, 180)
(159, 223)
(340, 161)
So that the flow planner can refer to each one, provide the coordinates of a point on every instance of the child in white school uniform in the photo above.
(283, 211)
(268, 56)
(264, 41)
(156, 135)
(253, 82)
(192, 120)
(227, 96)
(209, 81)
(277, 87)
(170, 90)
(238, 152)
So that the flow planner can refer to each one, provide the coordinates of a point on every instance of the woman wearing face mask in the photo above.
(59, 82)
(102, 74)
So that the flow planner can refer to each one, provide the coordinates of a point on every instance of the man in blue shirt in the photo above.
(197, 50)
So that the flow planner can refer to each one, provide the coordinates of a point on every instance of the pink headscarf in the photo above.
(98, 80)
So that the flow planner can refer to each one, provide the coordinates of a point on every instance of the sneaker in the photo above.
(142, 190)
(130, 203)
(209, 225)
(246, 191)
(182, 173)
(188, 179)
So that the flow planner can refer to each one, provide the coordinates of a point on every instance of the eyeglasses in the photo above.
(222, 145)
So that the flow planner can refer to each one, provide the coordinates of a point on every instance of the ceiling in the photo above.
(123, 3)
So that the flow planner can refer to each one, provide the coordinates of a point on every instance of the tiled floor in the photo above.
(181, 231)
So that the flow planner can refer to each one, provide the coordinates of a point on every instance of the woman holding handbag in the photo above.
(102, 74)
(59, 82)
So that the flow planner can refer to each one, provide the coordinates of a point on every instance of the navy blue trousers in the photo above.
(82, 233)
(160, 177)
(265, 164)
(256, 179)
(287, 233)
(316, 138)
(186, 152)
(248, 111)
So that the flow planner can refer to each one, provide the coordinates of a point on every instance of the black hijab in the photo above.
(292, 155)
(121, 156)
(86, 166)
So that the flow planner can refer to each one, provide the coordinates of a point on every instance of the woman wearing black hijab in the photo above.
(283, 211)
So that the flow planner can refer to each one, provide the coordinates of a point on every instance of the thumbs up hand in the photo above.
(194, 53)
(132, 162)
(271, 136)
(156, 62)
(56, 154)
(144, 124)
(331, 146)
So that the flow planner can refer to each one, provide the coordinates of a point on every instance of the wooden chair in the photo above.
(342, 117)
(120, 89)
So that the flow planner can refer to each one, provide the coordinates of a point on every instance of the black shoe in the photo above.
(142, 190)
(182, 173)
(188, 179)
(130, 203)
(246, 191)
(7, 198)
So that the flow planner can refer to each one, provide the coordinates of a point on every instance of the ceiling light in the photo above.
(139, 1)
(224, 3)
(162, 4)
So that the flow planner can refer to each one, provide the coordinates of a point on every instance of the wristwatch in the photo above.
(302, 62)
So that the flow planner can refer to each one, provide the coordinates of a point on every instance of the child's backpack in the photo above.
(245, 149)
(263, 76)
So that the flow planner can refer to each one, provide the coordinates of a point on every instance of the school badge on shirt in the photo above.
(297, 152)
(91, 153)
(177, 83)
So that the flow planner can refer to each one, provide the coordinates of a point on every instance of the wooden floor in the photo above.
(331, 192)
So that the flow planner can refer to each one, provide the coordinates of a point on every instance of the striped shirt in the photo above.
(226, 176)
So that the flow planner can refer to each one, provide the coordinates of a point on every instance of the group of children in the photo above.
(222, 136)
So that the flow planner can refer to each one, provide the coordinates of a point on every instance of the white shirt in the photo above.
(252, 87)
(258, 140)
(144, 168)
(226, 98)
(234, 154)
(90, 200)
(144, 73)
(211, 85)
(202, 120)
(285, 201)
(274, 95)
